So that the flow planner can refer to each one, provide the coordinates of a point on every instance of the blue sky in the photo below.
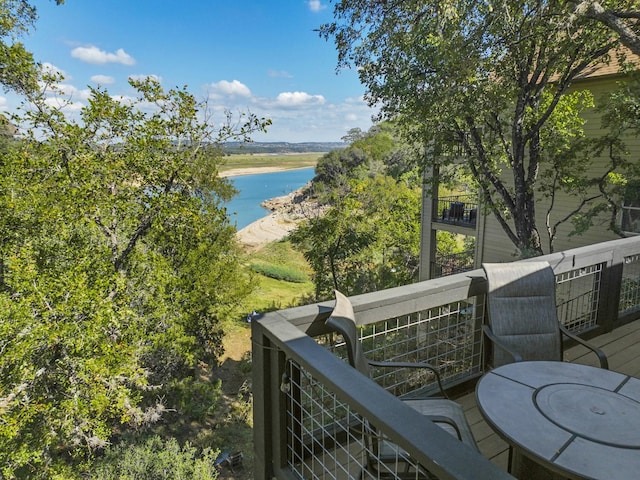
(244, 55)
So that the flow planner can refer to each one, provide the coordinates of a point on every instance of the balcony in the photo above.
(459, 210)
(310, 407)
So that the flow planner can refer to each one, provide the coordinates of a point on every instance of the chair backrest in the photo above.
(521, 304)
(343, 320)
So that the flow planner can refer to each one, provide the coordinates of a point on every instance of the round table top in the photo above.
(575, 419)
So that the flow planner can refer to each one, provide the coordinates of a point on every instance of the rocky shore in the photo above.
(286, 212)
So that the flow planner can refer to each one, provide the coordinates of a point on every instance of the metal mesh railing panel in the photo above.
(577, 297)
(446, 337)
(452, 263)
(321, 441)
(326, 439)
(630, 287)
(442, 336)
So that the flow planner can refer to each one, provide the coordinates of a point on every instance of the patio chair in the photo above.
(522, 317)
(445, 413)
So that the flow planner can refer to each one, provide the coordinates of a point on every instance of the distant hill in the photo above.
(281, 147)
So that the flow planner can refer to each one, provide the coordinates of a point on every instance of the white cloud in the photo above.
(316, 5)
(129, 100)
(50, 68)
(102, 79)
(355, 100)
(141, 77)
(231, 89)
(4, 105)
(298, 99)
(67, 92)
(96, 56)
(64, 104)
(279, 74)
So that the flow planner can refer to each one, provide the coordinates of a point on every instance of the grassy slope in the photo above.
(235, 432)
(269, 294)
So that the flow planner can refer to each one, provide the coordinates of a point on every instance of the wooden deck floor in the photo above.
(622, 347)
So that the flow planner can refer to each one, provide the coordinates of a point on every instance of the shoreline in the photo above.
(265, 230)
(287, 212)
(237, 172)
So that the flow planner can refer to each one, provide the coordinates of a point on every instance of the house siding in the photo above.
(496, 245)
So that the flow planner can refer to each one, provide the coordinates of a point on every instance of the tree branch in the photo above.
(613, 19)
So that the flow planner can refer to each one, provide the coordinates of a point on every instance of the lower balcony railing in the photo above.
(314, 414)
(457, 210)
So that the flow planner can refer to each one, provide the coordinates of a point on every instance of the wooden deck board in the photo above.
(622, 347)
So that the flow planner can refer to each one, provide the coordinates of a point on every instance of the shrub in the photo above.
(193, 399)
(155, 459)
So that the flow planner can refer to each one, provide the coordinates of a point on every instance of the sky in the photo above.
(257, 56)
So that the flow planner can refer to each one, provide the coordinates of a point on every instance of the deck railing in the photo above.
(313, 414)
(452, 263)
(457, 210)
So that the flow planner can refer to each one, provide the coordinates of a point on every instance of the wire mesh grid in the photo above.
(447, 337)
(577, 297)
(630, 288)
(326, 439)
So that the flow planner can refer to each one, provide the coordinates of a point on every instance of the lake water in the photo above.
(245, 207)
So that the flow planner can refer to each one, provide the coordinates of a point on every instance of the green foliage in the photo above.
(368, 240)
(377, 152)
(482, 83)
(335, 167)
(620, 113)
(155, 459)
(618, 15)
(117, 265)
(17, 69)
(280, 272)
(241, 407)
(193, 399)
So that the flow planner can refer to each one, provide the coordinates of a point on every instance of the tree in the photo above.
(485, 79)
(335, 167)
(369, 239)
(622, 17)
(118, 262)
(17, 68)
(353, 135)
(378, 151)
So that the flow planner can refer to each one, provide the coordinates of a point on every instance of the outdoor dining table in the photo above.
(574, 421)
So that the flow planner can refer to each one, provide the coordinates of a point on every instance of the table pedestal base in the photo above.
(523, 468)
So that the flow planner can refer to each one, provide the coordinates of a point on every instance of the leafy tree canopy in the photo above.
(369, 239)
(117, 263)
(377, 151)
(481, 82)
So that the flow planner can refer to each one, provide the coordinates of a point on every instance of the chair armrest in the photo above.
(498, 343)
(448, 421)
(604, 363)
(428, 366)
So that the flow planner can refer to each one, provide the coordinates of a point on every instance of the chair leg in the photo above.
(510, 459)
